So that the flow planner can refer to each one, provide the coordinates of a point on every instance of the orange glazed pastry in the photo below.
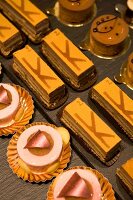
(125, 173)
(45, 84)
(75, 11)
(116, 103)
(108, 35)
(86, 124)
(32, 21)
(10, 37)
(129, 74)
(77, 69)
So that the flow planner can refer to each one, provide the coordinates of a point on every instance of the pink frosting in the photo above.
(34, 160)
(86, 175)
(7, 113)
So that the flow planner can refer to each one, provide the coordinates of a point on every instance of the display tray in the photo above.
(105, 68)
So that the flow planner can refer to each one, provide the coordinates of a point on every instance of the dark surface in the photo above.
(13, 188)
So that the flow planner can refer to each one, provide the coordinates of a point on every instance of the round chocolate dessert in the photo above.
(130, 68)
(75, 11)
(108, 35)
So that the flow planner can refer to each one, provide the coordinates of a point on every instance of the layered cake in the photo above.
(10, 37)
(125, 173)
(91, 130)
(75, 11)
(39, 77)
(76, 184)
(129, 69)
(40, 148)
(108, 35)
(31, 20)
(9, 103)
(77, 69)
(116, 103)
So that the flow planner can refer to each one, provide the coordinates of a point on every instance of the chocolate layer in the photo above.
(77, 69)
(85, 123)
(116, 103)
(47, 86)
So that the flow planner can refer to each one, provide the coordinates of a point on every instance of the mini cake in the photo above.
(76, 68)
(108, 35)
(125, 173)
(116, 103)
(91, 131)
(40, 78)
(129, 69)
(9, 103)
(80, 183)
(30, 19)
(10, 37)
(41, 149)
(75, 11)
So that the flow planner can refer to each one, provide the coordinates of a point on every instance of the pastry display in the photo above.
(16, 108)
(125, 173)
(77, 69)
(108, 35)
(45, 84)
(10, 37)
(9, 104)
(42, 151)
(116, 103)
(32, 21)
(90, 128)
(75, 11)
(80, 183)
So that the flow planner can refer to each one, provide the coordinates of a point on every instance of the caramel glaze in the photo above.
(109, 30)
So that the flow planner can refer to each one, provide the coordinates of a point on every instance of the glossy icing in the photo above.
(109, 29)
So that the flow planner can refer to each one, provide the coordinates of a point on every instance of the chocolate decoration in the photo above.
(76, 187)
(4, 98)
(107, 28)
(38, 140)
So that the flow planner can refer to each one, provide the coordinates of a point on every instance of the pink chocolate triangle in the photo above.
(4, 99)
(38, 140)
(75, 187)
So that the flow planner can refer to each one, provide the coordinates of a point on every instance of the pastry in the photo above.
(87, 126)
(125, 173)
(128, 17)
(9, 104)
(129, 69)
(32, 21)
(80, 183)
(42, 151)
(10, 37)
(78, 70)
(75, 11)
(116, 103)
(47, 86)
(108, 35)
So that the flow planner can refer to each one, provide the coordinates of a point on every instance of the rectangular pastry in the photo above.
(77, 69)
(32, 21)
(96, 134)
(10, 37)
(116, 103)
(47, 86)
(125, 173)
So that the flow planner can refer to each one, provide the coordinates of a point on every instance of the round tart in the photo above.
(80, 183)
(75, 11)
(9, 104)
(16, 108)
(108, 35)
(42, 151)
